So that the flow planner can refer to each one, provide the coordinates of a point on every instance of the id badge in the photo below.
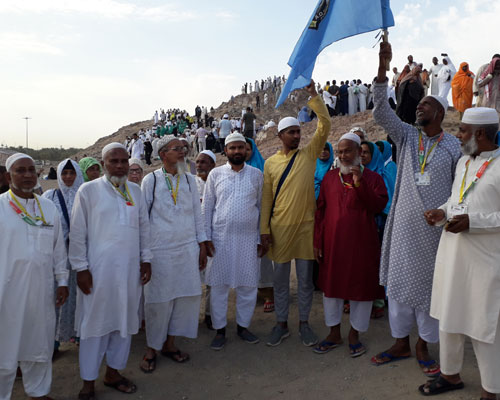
(457, 209)
(422, 179)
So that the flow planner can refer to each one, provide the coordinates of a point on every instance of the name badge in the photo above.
(422, 179)
(457, 209)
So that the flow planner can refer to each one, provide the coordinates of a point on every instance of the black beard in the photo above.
(422, 122)
(236, 160)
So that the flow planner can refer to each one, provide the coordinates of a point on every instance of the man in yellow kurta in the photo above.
(466, 286)
(287, 228)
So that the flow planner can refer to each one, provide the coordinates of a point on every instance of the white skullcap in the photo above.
(13, 158)
(480, 116)
(133, 161)
(234, 137)
(270, 124)
(164, 141)
(225, 116)
(352, 137)
(441, 101)
(112, 146)
(287, 122)
(358, 129)
(210, 154)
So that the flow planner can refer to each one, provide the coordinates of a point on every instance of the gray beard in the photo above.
(470, 147)
(346, 169)
(115, 180)
(22, 190)
(182, 167)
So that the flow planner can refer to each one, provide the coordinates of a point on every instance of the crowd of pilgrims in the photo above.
(364, 230)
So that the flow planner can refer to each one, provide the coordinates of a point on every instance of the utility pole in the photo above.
(26, 118)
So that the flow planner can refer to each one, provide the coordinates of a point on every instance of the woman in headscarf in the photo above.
(461, 89)
(490, 79)
(323, 165)
(254, 158)
(390, 171)
(135, 170)
(409, 94)
(69, 178)
(91, 168)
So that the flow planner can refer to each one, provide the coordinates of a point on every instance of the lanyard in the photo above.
(464, 192)
(129, 201)
(25, 215)
(170, 185)
(347, 184)
(422, 157)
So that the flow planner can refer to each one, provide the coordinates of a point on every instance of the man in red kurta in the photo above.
(346, 244)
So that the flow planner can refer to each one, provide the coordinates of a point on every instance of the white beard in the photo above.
(346, 169)
(470, 147)
(182, 167)
(22, 190)
(117, 181)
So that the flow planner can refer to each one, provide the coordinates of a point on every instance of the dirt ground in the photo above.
(243, 371)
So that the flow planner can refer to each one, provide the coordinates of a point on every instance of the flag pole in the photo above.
(385, 39)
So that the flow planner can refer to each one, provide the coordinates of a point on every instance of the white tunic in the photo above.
(110, 239)
(445, 76)
(176, 231)
(29, 260)
(434, 72)
(231, 208)
(137, 149)
(466, 287)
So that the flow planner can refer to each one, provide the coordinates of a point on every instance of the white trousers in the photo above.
(37, 378)
(451, 355)
(202, 144)
(177, 317)
(402, 317)
(92, 352)
(246, 297)
(359, 314)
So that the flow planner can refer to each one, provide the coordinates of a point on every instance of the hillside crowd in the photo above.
(110, 248)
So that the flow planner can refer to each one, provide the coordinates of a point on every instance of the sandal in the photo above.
(151, 364)
(268, 306)
(325, 346)
(357, 349)
(177, 356)
(439, 385)
(86, 396)
(120, 383)
(431, 373)
(390, 357)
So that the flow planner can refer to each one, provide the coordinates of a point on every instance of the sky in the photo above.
(82, 69)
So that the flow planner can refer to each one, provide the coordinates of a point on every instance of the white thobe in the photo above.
(445, 76)
(176, 231)
(434, 73)
(155, 147)
(476, 88)
(31, 257)
(362, 94)
(466, 286)
(110, 239)
(231, 208)
(352, 100)
(137, 149)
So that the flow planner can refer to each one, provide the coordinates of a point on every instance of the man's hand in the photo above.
(459, 223)
(62, 294)
(203, 256)
(318, 255)
(145, 272)
(266, 242)
(434, 216)
(357, 175)
(384, 57)
(311, 89)
(210, 248)
(84, 281)
(260, 251)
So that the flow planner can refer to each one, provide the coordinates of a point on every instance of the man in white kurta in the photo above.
(466, 286)
(434, 73)
(445, 76)
(32, 256)
(109, 241)
(172, 297)
(137, 147)
(231, 207)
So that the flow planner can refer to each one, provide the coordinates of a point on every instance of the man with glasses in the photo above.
(135, 171)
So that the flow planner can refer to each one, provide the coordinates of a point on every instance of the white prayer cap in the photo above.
(441, 101)
(480, 116)
(111, 146)
(133, 161)
(358, 129)
(13, 158)
(287, 122)
(271, 124)
(210, 154)
(164, 141)
(234, 137)
(352, 137)
(225, 116)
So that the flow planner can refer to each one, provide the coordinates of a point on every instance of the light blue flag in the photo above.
(332, 20)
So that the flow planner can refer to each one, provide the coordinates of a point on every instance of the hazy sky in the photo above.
(84, 68)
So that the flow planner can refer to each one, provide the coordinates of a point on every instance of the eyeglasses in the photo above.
(178, 149)
(135, 171)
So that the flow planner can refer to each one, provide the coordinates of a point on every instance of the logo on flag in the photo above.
(319, 14)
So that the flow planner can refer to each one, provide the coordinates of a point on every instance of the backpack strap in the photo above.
(281, 181)
(63, 206)
(154, 190)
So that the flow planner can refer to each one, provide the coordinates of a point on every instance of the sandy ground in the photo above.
(247, 372)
